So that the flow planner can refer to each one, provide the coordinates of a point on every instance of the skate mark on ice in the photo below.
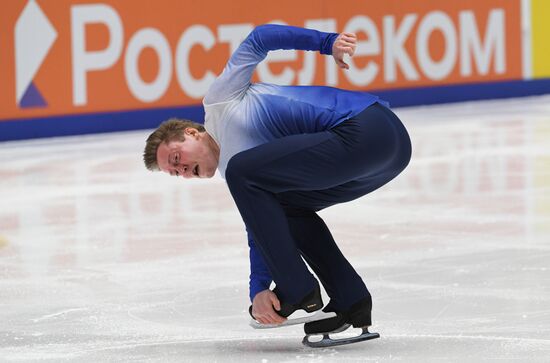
(55, 315)
(443, 310)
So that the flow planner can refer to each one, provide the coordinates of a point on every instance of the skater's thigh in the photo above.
(315, 200)
(297, 162)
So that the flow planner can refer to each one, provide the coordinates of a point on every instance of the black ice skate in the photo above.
(358, 316)
(311, 303)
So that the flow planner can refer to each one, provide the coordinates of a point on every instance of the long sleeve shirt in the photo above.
(240, 115)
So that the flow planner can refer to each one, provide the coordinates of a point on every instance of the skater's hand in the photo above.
(344, 44)
(263, 308)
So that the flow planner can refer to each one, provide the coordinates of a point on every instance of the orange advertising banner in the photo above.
(66, 57)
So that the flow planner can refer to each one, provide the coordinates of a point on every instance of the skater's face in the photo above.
(196, 157)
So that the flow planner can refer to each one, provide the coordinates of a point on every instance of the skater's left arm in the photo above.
(265, 303)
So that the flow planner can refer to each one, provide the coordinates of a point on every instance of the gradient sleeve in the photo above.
(237, 74)
(260, 277)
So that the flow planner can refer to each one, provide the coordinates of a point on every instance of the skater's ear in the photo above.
(191, 132)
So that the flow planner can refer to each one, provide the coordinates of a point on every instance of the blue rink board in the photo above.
(145, 119)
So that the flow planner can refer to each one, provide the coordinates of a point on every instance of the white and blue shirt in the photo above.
(240, 115)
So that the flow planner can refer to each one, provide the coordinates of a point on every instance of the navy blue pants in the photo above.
(279, 186)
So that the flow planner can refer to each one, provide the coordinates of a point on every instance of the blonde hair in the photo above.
(169, 130)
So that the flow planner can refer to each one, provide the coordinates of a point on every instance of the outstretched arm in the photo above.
(236, 77)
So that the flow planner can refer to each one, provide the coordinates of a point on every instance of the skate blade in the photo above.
(320, 315)
(327, 341)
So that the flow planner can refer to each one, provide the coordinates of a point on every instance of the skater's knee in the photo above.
(405, 159)
(238, 169)
(406, 151)
(232, 171)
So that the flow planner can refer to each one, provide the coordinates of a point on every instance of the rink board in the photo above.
(76, 68)
(143, 119)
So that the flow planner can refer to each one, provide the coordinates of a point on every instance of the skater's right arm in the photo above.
(264, 301)
(260, 277)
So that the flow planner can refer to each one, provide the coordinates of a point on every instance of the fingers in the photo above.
(270, 313)
(348, 37)
(263, 308)
(345, 47)
(348, 50)
(275, 318)
(342, 64)
(345, 43)
(347, 40)
(275, 302)
(270, 317)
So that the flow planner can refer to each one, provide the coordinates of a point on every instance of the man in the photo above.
(287, 152)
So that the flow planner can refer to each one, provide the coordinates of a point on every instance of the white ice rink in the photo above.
(103, 261)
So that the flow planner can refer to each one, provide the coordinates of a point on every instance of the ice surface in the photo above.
(101, 260)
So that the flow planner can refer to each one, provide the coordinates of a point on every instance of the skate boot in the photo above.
(358, 316)
(310, 303)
